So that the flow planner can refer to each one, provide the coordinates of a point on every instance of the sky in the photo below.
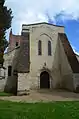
(58, 12)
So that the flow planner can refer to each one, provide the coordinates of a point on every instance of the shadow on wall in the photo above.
(11, 84)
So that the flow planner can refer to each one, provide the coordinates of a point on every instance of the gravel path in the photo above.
(45, 95)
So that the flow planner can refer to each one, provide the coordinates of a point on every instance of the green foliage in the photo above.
(5, 94)
(51, 110)
(5, 23)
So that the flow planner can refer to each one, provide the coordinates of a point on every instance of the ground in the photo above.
(51, 110)
(44, 95)
(40, 104)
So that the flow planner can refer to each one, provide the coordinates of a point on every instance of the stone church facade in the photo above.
(41, 57)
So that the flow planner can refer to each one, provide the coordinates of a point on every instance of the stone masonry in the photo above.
(23, 56)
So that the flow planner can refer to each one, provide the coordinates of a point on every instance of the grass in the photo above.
(5, 94)
(54, 110)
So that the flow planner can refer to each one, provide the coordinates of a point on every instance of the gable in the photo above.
(50, 27)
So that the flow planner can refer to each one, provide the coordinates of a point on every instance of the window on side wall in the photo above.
(9, 70)
(16, 44)
(39, 47)
(49, 48)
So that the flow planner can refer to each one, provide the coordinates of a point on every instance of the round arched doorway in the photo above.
(44, 80)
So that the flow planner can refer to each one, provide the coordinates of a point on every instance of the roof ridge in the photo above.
(41, 23)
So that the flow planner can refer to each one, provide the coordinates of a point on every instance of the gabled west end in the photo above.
(40, 58)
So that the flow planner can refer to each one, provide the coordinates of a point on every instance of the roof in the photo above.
(71, 56)
(12, 50)
(2, 67)
(77, 54)
(42, 23)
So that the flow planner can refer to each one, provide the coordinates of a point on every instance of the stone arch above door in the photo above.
(50, 75)
(44, 80)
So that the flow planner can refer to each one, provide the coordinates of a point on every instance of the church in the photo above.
(40, 58)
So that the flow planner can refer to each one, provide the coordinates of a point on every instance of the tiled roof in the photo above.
(69, 53)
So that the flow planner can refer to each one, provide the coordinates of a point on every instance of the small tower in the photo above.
(10, 35)
(11, 31)
(10, 40)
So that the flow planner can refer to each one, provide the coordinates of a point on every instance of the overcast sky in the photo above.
(60, 12)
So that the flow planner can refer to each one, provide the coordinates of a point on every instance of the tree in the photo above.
(5, 23)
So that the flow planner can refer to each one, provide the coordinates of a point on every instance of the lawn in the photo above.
(54, 110)
(5, 94)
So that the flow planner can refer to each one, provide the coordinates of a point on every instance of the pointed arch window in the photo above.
(49, 48)
(39, 47)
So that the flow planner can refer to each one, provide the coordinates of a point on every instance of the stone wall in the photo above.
(65, 68)
(57, 65)
(23, 81)
(44, 33)
(71, 77)
(69, 53)
(9, 57)
(13, 39)
(11, 85)
(2, 84)
(77, 57)
(2, 78)
(10, 81)
(76, 82)
(23, 63)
